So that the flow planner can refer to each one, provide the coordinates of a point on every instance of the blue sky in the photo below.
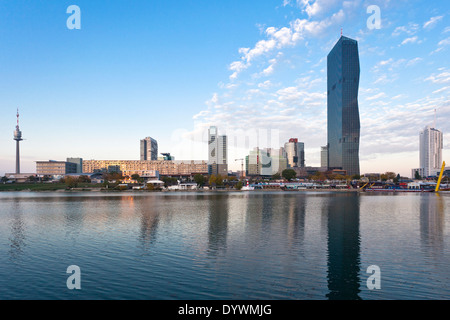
(256, 69)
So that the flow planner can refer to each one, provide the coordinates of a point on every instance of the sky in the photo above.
(255, 69)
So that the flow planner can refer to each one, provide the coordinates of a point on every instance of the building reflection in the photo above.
(432, 224)
(296, 220)
(17, 237)
(343, 247)
(218, 224)
(149, 222)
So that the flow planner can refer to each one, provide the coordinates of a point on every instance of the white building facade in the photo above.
(431, 145)
(217, 152)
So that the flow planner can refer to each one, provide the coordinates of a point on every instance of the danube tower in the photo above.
(18, 138)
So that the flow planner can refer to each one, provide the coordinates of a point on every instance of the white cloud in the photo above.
(441, 90)
(411, 29)
(444, 42)
(410, 40)
(432, 22)
(377, 96)
(279, 38)
(440, 78)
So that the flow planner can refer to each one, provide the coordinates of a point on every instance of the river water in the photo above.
(225, 245)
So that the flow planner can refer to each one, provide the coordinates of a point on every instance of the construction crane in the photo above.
(242, 166)
(438, 185)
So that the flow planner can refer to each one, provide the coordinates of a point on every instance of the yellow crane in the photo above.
(438, 185)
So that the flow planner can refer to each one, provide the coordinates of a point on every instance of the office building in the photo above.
(217, 152)
(431, 145)
(343, 72)
(149, 149)
(78, 162)
(266, 162)
(295, 153)
(324, 157)
(55, 168)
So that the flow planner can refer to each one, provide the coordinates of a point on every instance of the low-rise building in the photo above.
(165, 168)
(55, 168)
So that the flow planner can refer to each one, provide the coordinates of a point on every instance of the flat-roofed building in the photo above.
(55, 168)
(165, 168)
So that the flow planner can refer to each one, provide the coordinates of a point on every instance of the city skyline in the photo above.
(116, 81)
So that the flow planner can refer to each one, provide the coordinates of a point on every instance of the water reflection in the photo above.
(343, 247)
(17, 237)
(296, 220)
(218, 224)
(432, 224)
(149, 221)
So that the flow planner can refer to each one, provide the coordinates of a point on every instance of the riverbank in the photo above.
(57, 187)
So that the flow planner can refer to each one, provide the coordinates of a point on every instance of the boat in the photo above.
(247, 187)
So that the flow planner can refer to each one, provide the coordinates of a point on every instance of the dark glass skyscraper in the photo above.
(343, 111)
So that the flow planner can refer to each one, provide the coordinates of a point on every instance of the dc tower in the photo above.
(18, 138)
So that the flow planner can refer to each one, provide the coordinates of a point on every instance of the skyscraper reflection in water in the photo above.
(343, 247)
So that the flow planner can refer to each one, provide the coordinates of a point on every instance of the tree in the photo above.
(276, 176)
(4, 179)
(84, 179)
(71, 182)
(200, 180)
(397, 178)
(239, 185)
(289, 174)
(135, 177)
(169, 181)
(212, 180)
(356, 177)
(317, 176)
(219, 180)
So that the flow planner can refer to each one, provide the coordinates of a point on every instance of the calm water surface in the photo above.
(258, 245)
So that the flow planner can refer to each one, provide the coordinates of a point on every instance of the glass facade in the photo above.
(343, 110)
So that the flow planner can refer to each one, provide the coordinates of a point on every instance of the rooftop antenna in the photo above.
(341, 31)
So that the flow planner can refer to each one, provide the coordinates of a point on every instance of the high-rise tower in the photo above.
(217, 152)
(149, 149)
(18, 138)
(431, 145)
(342, 107)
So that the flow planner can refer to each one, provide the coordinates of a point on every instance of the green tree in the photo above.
(276, 176)
(135, 177)
(169, 181)
(239, 185)
(289, 174)
(356, 177)
(200, 180)
(4, 179)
